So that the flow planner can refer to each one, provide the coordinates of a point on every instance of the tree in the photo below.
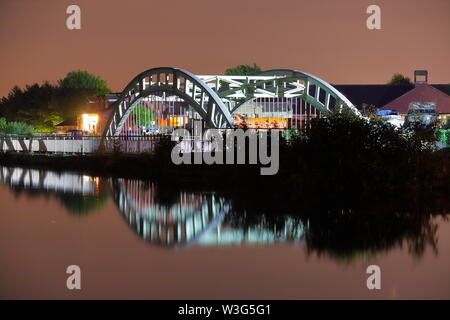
(243, 70)
(45, 105)
(144, 116)
(81, 79)
(34, 105)
(399, 79)
(3, 126)
(19, 128)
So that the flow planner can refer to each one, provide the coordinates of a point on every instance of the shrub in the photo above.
(343, 153)
(18, 128)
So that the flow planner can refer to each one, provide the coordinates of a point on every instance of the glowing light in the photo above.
(89, 122)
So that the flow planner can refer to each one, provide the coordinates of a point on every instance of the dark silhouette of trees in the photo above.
(45, 105)
(81, 79)
(243, 70)
(399, 79)
(343, 153)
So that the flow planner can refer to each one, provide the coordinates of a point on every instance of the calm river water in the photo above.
(134, 240)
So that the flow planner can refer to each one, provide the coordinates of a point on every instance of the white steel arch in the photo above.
(278, 83)
(174, 81)
(217, 97)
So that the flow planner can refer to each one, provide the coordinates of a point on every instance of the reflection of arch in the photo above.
(173, 81)
(181, 223)
(292, 83)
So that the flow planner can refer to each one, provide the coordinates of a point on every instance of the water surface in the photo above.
(136, 240)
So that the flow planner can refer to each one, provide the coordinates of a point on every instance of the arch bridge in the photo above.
(165, 98)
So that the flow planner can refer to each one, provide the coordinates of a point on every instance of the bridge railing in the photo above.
(77, 144)
(49, 144)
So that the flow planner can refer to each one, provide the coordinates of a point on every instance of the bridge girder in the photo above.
(217, 97)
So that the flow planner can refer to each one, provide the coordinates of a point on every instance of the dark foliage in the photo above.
(45, 105)
(399, 79)
(343, 154)
(243, 70)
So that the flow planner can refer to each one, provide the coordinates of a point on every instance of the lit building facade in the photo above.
(86, 124)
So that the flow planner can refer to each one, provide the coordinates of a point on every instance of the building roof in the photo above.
(421, 93)
(379, 95)
(68, 122)
(445, 88)
(372, 94)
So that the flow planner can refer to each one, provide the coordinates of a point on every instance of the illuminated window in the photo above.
(89, 122)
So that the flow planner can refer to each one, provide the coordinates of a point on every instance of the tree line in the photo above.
(42, 106)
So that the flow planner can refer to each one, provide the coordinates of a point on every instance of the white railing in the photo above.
(92, 144)
(77, 145)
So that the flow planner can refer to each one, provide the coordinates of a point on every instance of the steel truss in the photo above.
(217, 97)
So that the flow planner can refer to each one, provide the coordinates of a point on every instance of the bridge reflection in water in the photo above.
(189, 218)
(165, 218)
(43, 180)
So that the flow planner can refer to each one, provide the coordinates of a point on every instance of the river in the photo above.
(133, 239)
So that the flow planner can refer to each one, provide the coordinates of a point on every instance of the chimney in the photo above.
(420, 77)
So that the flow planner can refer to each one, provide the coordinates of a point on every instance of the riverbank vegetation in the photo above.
(346, 154)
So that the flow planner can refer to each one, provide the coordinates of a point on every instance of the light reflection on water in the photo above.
(189, 220)
(175, 219)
